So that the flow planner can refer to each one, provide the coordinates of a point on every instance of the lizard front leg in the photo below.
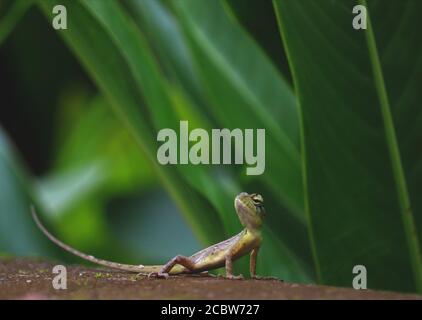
(252, 266)
(229, 267)
(252, 263)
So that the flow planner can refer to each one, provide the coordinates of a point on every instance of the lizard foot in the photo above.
(158, 275)
(233, 277)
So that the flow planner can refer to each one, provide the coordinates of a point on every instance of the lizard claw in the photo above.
(163, 275)
(233, 277)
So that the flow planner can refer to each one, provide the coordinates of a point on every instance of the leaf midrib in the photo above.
(396, 162)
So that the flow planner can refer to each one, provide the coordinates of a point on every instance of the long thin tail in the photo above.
(125, 267)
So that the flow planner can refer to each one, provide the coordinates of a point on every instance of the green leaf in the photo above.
(397, 166)
(402, 68)
(246, 91)
(111, 151)
(259, 19)
(165, 36)
(355, 184)
(18, 232)
(14, 12)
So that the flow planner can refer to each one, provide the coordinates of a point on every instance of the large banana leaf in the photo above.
(165, 37)
(359, 94)
(246, 91)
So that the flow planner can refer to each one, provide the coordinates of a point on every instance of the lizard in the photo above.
(250, 211)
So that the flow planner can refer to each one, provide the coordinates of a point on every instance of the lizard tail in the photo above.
(119, 266)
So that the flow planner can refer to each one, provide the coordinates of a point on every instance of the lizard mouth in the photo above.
(239, 204)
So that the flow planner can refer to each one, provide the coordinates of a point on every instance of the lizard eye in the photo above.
(257, 203)
(257, 200)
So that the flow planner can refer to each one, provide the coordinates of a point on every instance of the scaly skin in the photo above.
(250, 210)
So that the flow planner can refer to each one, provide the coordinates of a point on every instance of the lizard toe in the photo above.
(162, 275)
(158, 275)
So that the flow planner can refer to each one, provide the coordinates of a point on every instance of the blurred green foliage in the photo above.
(83, 107)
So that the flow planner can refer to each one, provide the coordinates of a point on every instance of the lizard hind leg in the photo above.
(177, 260)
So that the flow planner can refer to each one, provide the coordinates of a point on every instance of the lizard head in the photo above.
(250, 209)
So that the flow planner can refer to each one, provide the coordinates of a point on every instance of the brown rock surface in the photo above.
(29, 278)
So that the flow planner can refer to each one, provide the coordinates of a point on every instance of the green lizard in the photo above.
(250, 210)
